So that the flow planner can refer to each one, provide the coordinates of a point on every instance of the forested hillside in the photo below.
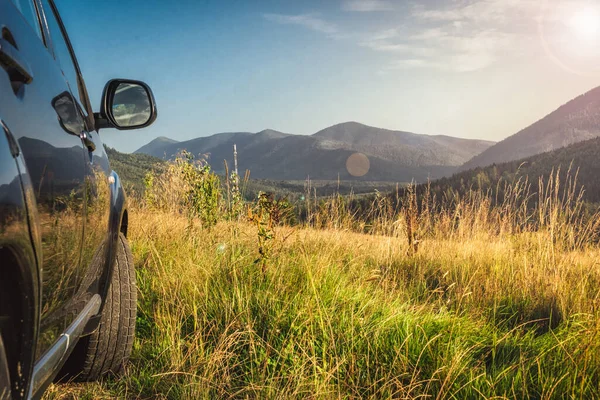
(581, 158)
(576, 121)
(132, 168)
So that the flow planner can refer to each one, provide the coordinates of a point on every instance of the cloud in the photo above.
(437, 15)
(367, 5)
(468, 36)
(409, 49)
(481, 11)
(430, 34)
(458, 63)
(411, 63)
(385, 46)
(309, 21)
(466, 52)
(385, 34)
(447, 47)
(457, 36)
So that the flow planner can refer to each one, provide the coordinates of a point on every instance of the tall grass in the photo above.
(467, 296)
(553, 207)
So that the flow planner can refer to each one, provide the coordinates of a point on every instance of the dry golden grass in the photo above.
(342, 314)
(468, 299)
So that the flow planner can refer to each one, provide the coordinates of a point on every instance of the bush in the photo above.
(186, 186)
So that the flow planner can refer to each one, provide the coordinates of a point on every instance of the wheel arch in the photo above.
(124, 223)
(118, 223)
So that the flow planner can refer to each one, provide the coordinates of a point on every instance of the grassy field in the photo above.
(474, 301)
(295, 189)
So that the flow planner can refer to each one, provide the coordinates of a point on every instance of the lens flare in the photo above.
(570, 36)
(358, 164)
(586, 22)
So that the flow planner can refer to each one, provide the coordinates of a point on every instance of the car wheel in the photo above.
(107, 349)
(4, 374)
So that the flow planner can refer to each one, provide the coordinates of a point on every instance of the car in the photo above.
(67, 279)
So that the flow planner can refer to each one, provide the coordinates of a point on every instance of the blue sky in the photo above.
(468, 68)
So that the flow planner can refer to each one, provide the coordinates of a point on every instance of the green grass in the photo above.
(463, 299)
(344, 315)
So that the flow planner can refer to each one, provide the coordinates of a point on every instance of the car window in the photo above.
(27, 9)
(62, 53)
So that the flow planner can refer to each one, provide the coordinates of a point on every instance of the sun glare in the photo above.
(586, 23)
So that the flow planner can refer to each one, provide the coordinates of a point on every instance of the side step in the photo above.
(50, 362)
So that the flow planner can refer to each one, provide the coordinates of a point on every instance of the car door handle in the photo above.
(11, 61)
(87, 140)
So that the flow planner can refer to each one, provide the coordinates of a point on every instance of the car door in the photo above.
(86, 279)
(37, 105)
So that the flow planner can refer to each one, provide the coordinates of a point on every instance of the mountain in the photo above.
(405, 147)
(133, 168)
(269, 154)
(156, 146)
(582, 158)
(575, 121)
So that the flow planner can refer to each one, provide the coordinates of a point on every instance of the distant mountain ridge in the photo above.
(269, 154)
(389, 144)
(573, 122)
(155, 145)
(579, 159)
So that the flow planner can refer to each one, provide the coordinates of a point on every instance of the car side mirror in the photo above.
(126, 104)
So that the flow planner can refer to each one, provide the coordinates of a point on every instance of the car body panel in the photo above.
(37, 116)
(21, 268)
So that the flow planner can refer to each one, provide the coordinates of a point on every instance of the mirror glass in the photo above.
(131, 105)
(68, 117)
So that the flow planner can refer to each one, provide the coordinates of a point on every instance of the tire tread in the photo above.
(109, 347)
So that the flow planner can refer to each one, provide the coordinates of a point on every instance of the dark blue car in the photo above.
(67, 282)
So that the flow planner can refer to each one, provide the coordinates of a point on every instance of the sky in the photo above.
(480, 69)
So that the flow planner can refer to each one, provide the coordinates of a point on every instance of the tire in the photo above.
(4, 374)
(107, 349)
